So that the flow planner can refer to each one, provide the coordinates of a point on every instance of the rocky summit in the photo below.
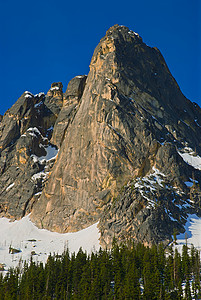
(121, 147)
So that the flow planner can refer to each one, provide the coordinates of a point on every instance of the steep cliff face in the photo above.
(26, 154)
(129, 145)
(119, 161)
(71, 100)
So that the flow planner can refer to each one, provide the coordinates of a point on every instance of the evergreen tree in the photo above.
(125, 272)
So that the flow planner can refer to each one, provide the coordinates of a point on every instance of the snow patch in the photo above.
(27, 92)
(39, 94)
(28, 96)
(149, 183)
(50, 128)
(51, 153)
(132, 32)
(192, 233)
(196, 121)
(80, 76)
(10, 186)
(191, 158)
(38, 104)
(24, 235)
(38, 194)
(188, 183)
(40, 175)
(54, 88)
(33, 131)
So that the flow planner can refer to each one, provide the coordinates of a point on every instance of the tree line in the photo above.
(130, 271)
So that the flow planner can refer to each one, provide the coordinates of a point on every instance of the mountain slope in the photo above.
(123, 133)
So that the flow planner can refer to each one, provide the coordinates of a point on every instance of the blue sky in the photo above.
(48, 41)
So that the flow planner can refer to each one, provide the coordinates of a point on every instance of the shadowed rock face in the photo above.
(25, 131)
(128, 122)
(121, 132)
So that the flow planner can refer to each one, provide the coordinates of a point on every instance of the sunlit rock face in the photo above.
(129, 148)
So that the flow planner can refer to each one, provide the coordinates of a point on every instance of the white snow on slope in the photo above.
(149, 183)
(51, 153)
(33, 131)
(38, 104)
(196, 121)
(192, 232)
(191, 158)
(10, 186)
(24, 235)
(39, 94)
(188, 183)
(54, 88)
(39, 175)
(51, 150)
(28, 94)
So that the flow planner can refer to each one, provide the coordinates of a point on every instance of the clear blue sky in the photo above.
(46, 41)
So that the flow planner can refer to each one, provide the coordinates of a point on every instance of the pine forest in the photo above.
(130, 271)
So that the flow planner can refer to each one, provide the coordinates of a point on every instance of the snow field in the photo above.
(191, 158)
(39, 243)
(192, 233)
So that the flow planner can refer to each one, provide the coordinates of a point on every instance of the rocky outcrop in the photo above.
(130, 123)
(25, 154)
(129, 148)
(71, 101)
(149, 208)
